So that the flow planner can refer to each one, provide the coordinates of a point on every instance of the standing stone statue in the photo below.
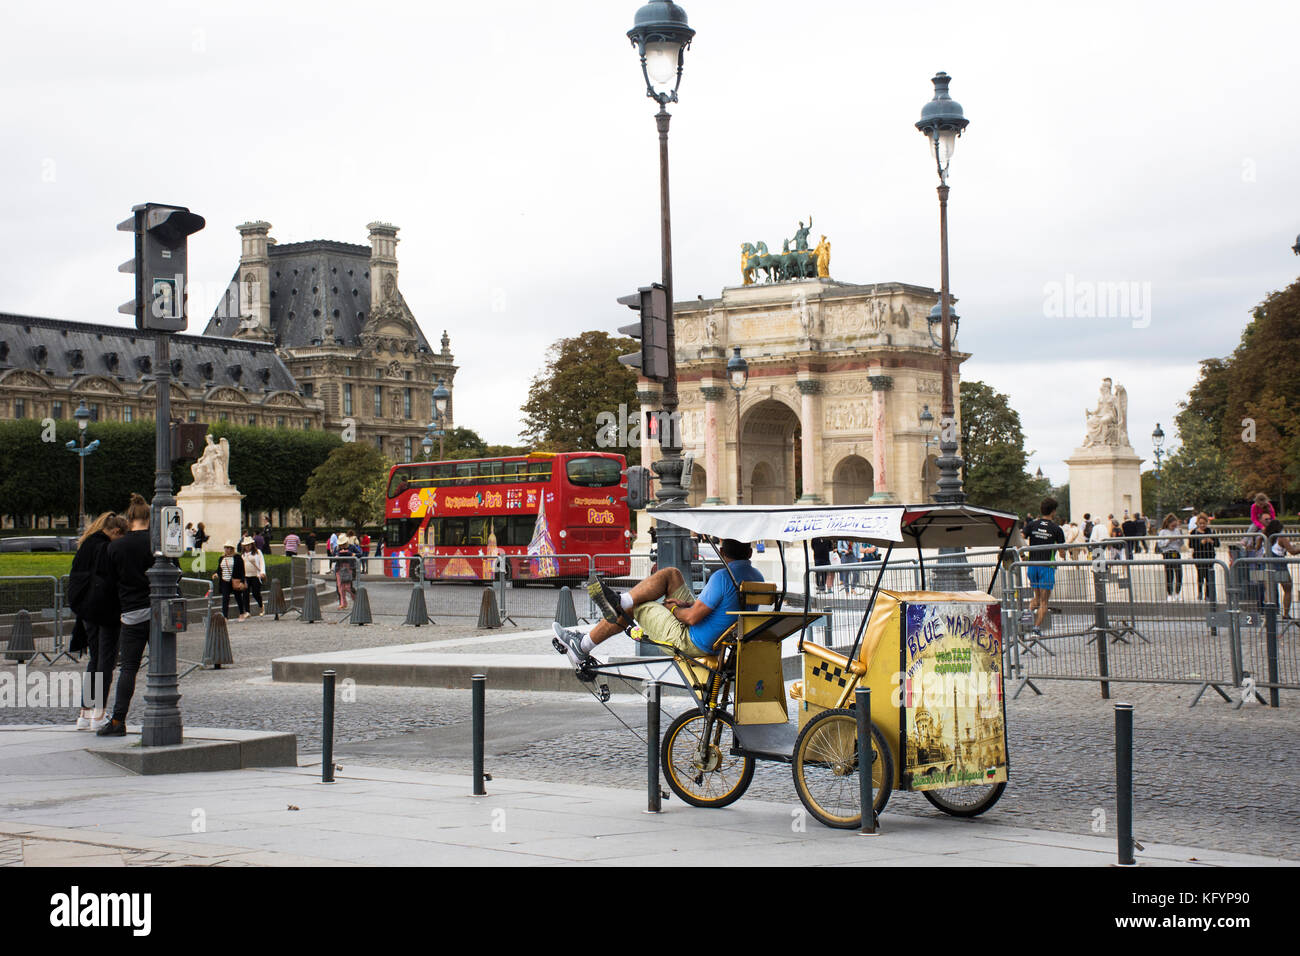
(801, 235)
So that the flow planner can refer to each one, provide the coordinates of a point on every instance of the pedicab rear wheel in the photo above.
(714, 779)
(966, 801)
(825, 765)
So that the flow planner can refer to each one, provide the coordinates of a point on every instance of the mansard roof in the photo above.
(313, 285)
(65, 350)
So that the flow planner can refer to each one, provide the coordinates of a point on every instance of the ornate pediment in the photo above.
(285, 399)
(227, 395)
(24, 379)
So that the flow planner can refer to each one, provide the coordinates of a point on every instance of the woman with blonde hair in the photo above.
(94, 601)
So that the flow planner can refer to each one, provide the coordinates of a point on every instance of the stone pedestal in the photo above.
(217, 508)
(1104, 480)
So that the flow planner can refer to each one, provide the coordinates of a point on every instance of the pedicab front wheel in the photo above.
(826, 769)
(966, 801)
(708, 775)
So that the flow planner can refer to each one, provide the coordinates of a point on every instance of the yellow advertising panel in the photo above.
(953, 727)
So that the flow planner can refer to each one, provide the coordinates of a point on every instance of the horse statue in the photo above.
(754, 257)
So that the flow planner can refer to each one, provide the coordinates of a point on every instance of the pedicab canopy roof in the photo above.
(920, 526)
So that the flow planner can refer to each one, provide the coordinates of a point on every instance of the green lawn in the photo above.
(58, 564)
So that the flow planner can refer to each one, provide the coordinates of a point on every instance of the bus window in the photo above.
(455, 532)
(520, 531)
(399, 531)
(466, 473)
(431, 537)
(478, 531)
(594, 472)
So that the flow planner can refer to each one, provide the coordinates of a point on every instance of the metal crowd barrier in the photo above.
(42, 597)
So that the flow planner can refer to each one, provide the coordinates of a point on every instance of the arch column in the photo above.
(712, 395)
(810, 391)
(880, 387)
(650, 397)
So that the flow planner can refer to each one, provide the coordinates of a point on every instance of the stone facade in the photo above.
(339, 321)
(838, 376)
(48, 366)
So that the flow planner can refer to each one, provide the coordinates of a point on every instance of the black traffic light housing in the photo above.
(652, 302)
(188, 440)
(161, 234)
(638, 487)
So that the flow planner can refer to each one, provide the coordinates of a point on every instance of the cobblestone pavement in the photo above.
(1209, 776)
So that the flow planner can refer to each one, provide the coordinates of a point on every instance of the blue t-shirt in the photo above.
(721, 595)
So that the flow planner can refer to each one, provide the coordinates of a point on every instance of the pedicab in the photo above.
(933, 661)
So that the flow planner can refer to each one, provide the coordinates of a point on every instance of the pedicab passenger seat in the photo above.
(697, 671)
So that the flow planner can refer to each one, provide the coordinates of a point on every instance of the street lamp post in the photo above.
(81, 450)
(738, 376)
(435, 428)
(1158, 440)
(942, 121)
(661, 35)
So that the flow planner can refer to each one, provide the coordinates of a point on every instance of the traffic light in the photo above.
(638, 487)
(159, 265)
(652, 302)
(187, 440)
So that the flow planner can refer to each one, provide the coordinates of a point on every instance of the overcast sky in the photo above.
(1146, 143)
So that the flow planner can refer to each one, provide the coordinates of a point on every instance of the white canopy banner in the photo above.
(760, 523)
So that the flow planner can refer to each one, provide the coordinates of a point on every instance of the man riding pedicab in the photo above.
(689, 625)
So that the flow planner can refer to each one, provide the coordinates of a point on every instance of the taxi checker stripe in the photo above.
(828, 673)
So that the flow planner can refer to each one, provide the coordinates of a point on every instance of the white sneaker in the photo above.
(569, 642)
(97, 722)
(83, 723)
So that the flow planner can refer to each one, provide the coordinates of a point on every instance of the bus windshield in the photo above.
(593, 472)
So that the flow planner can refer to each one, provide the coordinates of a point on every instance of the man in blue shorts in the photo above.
(1042, 533)
(689, 625)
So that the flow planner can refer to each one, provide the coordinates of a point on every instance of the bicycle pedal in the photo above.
(559, 646)
(603, 695)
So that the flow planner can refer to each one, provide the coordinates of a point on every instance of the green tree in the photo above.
(1197, 473)
(348, 485)
(580, 391)
(993, 450)
(1243, 399)
(270, 466)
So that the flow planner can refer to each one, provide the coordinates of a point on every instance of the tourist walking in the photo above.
(1170, 544)
(93, 599)
(821, 549)
(1042, 535)
(129, 559)
(1279, 574)
(200, 537)
(255, 574)
(343, 570)
(310, 541)
(1204, 544)
(291, 545)
(232, 579)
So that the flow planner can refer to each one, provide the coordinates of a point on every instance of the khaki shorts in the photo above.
(661, 627)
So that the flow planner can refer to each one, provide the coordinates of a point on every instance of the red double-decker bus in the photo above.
(546, 511)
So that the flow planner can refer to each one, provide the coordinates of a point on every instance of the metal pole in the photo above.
(740, 474)
(652, 692)
(327, 728)
(162, 712)
(1270, 640)
(1124, 783)
(81, 480)
(951, 571)
(672, 539)
(478, 703)
(866, 763)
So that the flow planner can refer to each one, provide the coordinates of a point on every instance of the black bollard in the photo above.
(1124, 783)
(478, 706)
(866, 765)
(652, 691)
(327, 730)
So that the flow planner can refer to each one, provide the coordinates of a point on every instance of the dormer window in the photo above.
(205, 369)
(76, 359)
(145, 364)
(111, 361)
(236, 372)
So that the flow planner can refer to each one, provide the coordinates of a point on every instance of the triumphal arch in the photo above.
(840, 374)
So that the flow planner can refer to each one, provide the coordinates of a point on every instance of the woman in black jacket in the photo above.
(129, 560)
(93, 599)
